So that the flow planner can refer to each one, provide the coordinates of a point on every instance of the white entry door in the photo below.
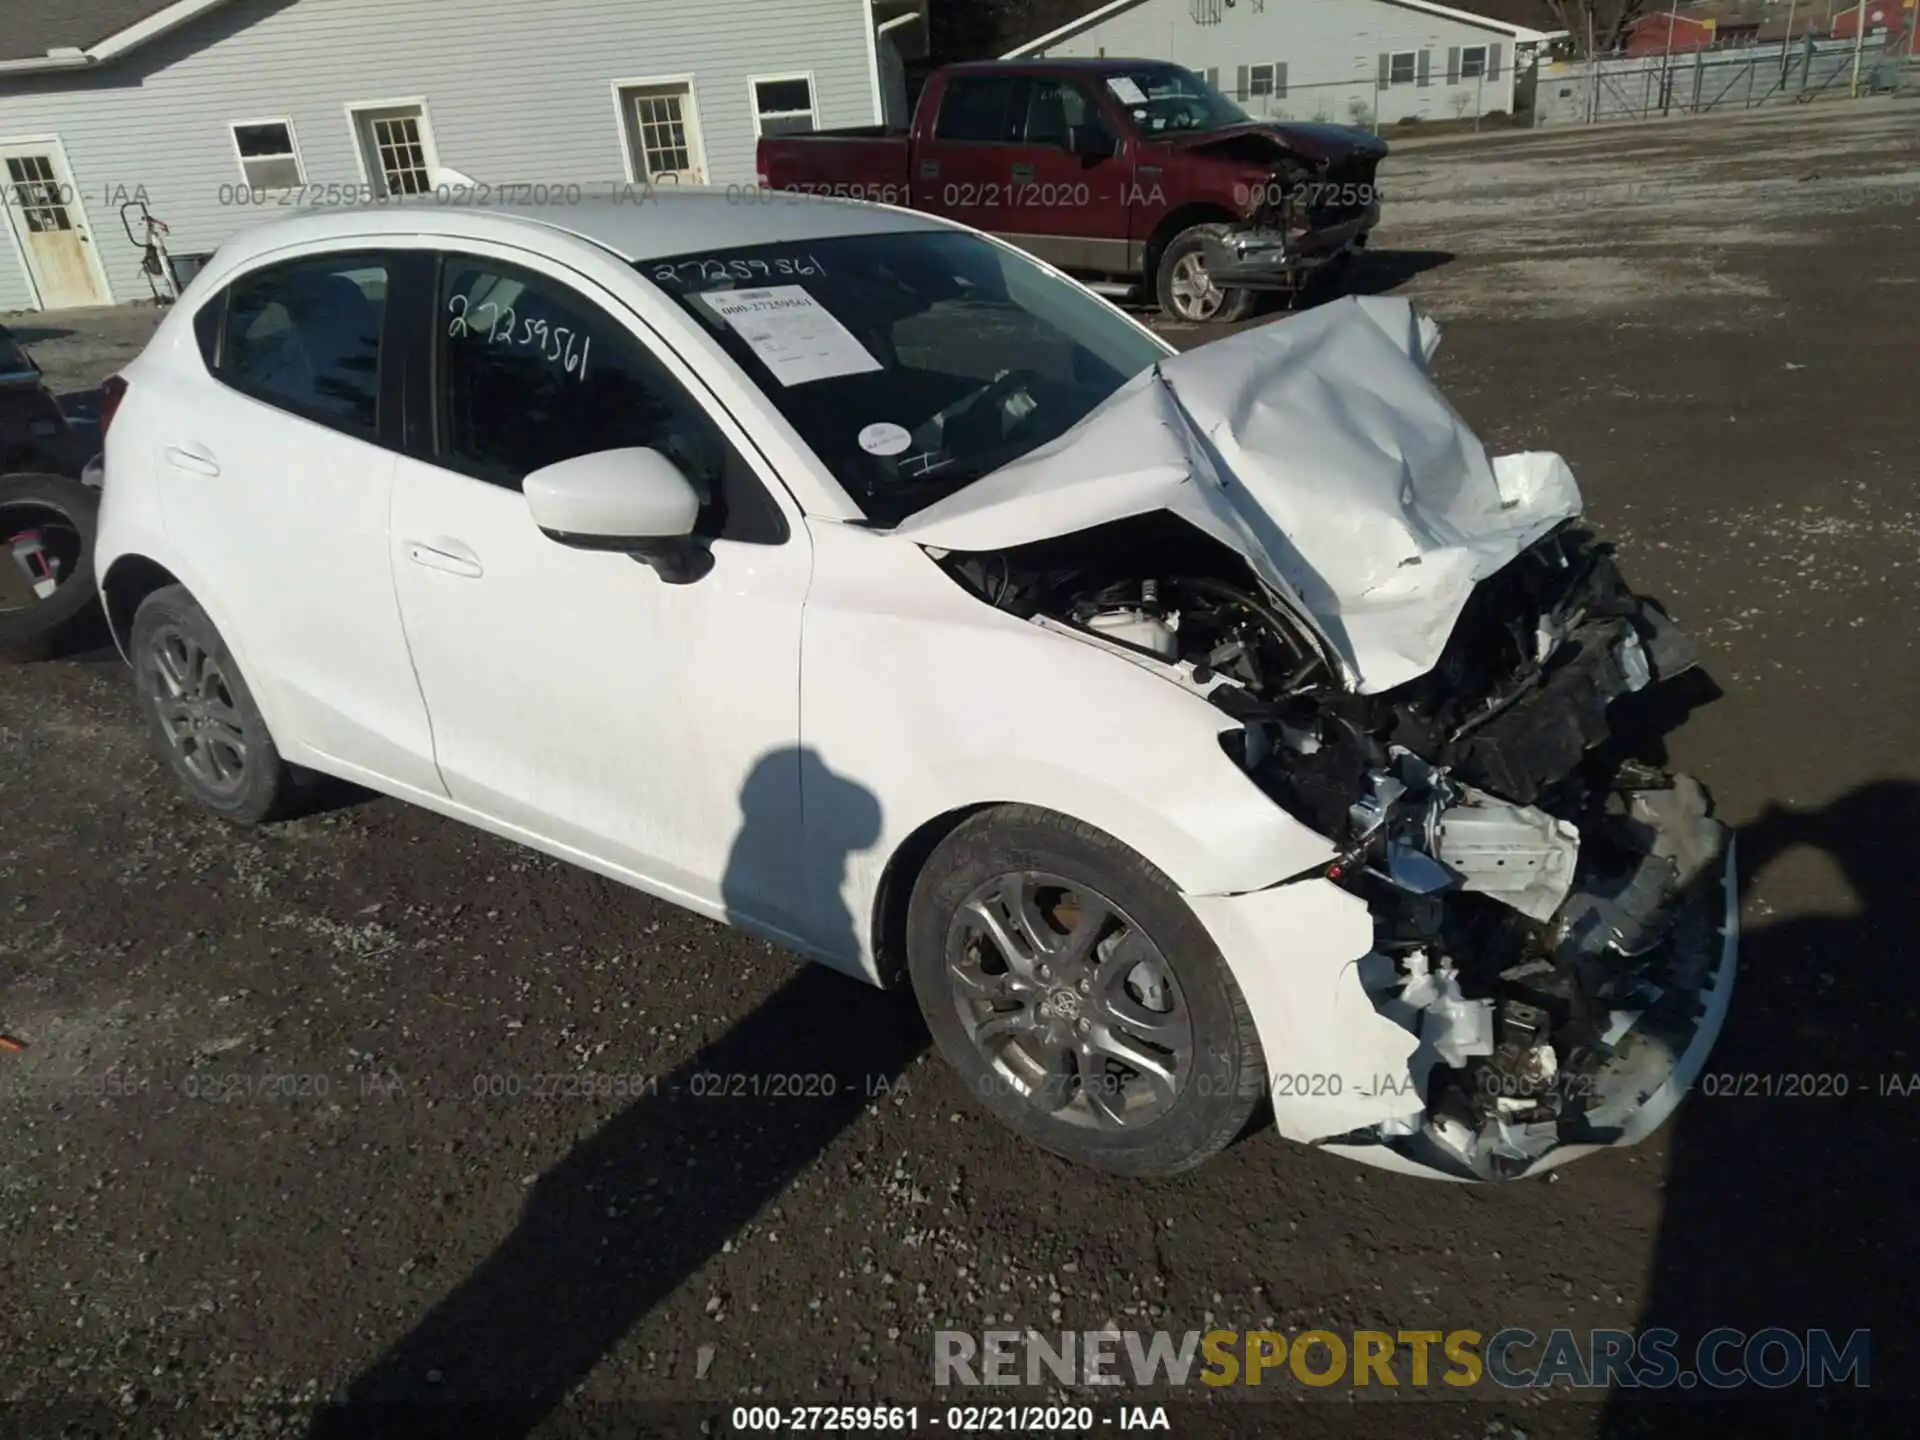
(663, 133)
(45, 212)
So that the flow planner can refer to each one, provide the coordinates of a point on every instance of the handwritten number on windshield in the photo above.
(712, 270)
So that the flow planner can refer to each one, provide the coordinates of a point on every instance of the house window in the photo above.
(1260, 80)
(1403, 68)
(41, 198)
(268, 157)
(784, 106)
(398, 149)
(1473, 62)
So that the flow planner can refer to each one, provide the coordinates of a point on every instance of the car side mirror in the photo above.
(635, 501)
(1090, 142)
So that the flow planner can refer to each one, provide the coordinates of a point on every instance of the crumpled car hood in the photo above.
(1321, 451)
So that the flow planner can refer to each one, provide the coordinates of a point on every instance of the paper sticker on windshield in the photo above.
(794, 335)
(885, 439)
(1127, 92)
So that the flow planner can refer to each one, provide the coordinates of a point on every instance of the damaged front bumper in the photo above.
(1540, 925)
(1410, 1062)
(1273, 258)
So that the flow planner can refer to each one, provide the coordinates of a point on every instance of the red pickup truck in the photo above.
(1137, 173)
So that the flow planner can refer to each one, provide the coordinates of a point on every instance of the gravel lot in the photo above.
(260, 1150)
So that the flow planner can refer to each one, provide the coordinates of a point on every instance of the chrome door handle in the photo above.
(192, 459)
(447, 556)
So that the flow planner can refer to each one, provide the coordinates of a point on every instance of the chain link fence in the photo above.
(1704, 81)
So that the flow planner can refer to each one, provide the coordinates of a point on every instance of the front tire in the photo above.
(1185, 290)
(1080, 999)
(201, 716)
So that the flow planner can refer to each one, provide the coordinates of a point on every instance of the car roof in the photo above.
(636, 221)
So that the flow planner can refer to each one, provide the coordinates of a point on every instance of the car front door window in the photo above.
(532, 373)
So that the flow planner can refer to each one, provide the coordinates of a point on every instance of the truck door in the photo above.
(1066, 181)
(960, 162)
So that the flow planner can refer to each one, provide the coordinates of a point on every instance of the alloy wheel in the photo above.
(1195, 295)
(195, 704)
(1071, 1002)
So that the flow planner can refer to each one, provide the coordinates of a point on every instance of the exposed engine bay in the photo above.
(1547, 898)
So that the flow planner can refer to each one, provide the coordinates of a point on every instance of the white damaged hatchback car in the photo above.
(1186, 730)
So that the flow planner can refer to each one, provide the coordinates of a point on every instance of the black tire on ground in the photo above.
(201, 716)
(36, 630)
(1234, 305)
(1224, 1079)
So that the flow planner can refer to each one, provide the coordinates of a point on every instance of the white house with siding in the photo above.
(1360, 62)
(213, 111)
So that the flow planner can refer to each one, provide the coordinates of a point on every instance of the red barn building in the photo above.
(1647, 35)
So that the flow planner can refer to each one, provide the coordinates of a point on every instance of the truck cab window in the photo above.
(1055, 108)
(979, 108)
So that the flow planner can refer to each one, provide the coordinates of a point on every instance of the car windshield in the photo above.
(915, 362)
(1167, 99)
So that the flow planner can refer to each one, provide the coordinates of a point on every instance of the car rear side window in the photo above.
(306, 337)
(531, 373)
(979, 109)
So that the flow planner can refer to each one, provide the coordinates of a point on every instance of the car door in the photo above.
(276, 475)
(576, 696)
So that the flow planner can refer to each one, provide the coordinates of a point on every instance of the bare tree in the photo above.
(1597, 27)
(981, 29)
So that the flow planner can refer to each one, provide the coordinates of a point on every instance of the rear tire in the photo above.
(201, 716)
(60, 514)
(1182, 274)
(1083, 1003)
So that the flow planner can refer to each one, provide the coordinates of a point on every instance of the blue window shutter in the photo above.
(1493, 62)
(1426, 69)
(1386, 69)
(1453, 65)
(1280, 80)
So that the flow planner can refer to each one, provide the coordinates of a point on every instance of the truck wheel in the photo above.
(1081, 1001)
(1185, 290)
(47, 591)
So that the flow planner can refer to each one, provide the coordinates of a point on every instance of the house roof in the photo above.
(1470, 14)
(1526, 14)
(69, 34)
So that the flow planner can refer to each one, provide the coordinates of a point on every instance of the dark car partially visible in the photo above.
(47, 593)
(34, 434)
